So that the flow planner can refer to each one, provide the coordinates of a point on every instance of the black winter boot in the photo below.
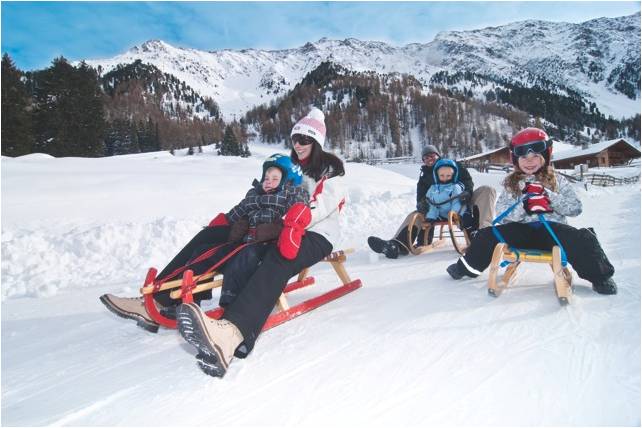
(376, 244)
(389, 248)
(458, 270)
(169, 312)
(605, 286)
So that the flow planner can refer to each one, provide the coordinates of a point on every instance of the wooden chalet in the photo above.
(496, 157)
(602, 154)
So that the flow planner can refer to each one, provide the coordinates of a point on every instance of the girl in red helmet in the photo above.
(534, 188)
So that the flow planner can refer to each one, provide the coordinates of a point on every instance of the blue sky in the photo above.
(33, 33)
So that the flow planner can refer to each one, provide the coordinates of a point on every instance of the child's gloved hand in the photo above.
(538, 204)
(533, 188)
(295, 221)
(219, 220)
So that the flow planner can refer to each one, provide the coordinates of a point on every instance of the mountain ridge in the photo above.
(598, 58)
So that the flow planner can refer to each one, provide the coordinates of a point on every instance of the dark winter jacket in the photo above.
(426, 180)
(261, 208)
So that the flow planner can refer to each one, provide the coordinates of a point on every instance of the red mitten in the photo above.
(219, 220)
(294, 224)
(539, 204)
(534, 188)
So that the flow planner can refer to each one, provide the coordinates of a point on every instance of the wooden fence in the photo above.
(608, 180)
(401, 159)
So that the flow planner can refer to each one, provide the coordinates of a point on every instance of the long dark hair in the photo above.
(320, 163)
(546, 176)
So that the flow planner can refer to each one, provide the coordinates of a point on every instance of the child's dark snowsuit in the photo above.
(259, 208)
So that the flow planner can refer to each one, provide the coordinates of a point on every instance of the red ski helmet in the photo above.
(531, 140)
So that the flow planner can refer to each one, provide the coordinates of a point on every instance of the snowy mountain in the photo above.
(411, 347)
(599, 59)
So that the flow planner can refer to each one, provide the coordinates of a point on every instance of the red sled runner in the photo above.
(190, 284)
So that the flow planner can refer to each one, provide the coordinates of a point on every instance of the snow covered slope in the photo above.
(412, 347)
(598, 58)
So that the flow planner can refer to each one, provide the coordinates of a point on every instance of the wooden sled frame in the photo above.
(188, 285)
(562, 275)
(456, 234)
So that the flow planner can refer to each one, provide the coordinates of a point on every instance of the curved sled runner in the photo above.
(189, 284)
(458, 234)
(514, 257)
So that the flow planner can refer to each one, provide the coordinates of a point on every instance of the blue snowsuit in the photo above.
(440, 192)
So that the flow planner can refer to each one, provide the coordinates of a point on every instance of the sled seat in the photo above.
(190, 284)
(561, 275)
(458, 235)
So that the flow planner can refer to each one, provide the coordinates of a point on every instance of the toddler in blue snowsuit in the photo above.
(442, 195)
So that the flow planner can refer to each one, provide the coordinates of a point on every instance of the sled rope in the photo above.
(542, 219)
(206, 254)
(555, 238)
(223, 260)
(202, 257)
(499, 236)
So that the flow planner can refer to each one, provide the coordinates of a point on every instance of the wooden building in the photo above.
(498, 158)
(602, 154)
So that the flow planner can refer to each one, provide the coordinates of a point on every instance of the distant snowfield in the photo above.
(411, 347)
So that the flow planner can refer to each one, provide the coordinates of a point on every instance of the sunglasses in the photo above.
(302, 140)
(536, 147)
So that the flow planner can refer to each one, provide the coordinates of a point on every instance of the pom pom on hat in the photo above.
(312, 125)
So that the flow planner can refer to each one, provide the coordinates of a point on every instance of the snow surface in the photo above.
(411, 347)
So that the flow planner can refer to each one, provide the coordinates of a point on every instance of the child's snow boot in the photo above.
(216, 340)
(458, 270)
(130, 308)
(605, 286)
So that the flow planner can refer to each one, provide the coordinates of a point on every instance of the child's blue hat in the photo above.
(291, 172)
(445, 162)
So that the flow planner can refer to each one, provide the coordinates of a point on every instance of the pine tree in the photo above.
(230, 145)
(17, 135)
(68, 114)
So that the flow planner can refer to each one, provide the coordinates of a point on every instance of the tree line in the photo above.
(369, 115)
(71, 111)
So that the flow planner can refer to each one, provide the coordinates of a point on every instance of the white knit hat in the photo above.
(313, 125)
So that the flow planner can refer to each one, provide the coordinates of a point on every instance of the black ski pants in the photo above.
(253, 305)
(238, 270)
(204, 240)
(582, 248)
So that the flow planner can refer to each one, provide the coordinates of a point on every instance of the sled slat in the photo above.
(562, 276)
(283, 310)
(176, 294)
(149, 289)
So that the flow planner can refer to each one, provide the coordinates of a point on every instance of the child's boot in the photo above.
(605, 286)
(458, 270)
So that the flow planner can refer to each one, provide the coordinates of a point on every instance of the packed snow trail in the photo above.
(410, 347)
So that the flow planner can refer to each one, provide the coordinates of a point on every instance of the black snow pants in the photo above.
(582, 248)
(205, 239)
(238, 270)
(253, 305)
